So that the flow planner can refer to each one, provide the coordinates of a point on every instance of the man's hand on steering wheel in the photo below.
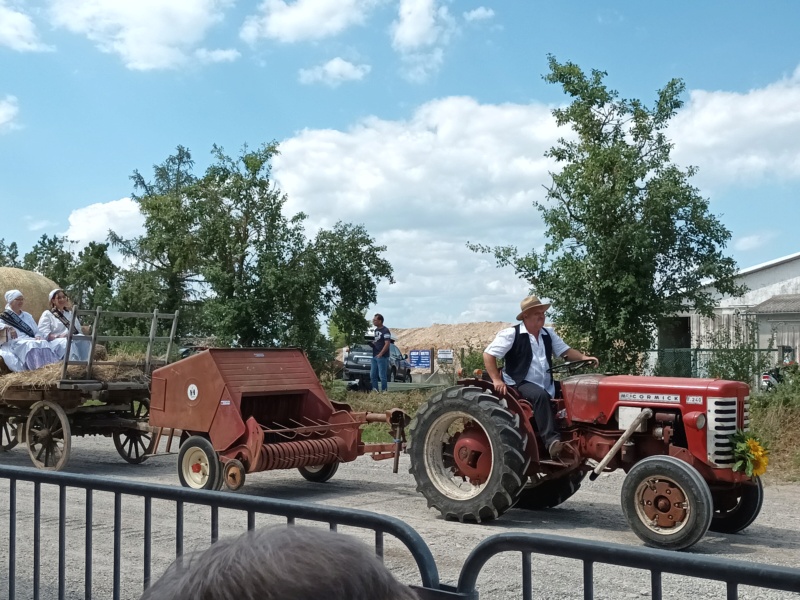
(574, 365)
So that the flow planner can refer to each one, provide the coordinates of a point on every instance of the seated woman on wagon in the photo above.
(54, 327)
(22, 346)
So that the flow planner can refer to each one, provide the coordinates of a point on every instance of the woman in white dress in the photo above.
(21, 344)
(54, 326)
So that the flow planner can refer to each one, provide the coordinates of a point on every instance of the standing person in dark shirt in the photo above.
(380, 354)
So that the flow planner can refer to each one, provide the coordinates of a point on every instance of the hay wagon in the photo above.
(43, 409)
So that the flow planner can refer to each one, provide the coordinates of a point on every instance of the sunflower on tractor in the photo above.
(476, 453)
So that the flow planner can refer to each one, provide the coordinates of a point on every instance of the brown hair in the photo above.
(281, 563)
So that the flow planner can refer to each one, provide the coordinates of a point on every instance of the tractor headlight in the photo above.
(696, 420)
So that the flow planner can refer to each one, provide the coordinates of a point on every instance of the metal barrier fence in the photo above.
(292, 511)
(657, 562)
(732, 573)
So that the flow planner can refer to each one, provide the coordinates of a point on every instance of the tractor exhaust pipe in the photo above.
(642, 416)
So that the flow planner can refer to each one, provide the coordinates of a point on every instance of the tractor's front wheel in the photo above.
(667, 503)
(467, 454)
(734, 512)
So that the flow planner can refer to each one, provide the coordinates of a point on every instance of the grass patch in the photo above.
(407, 401)
(775, 418)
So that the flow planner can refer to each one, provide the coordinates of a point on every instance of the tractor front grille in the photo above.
(722, 423)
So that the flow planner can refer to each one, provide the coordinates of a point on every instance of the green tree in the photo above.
(629, 239)
(169, 249)
(91, 280)
(9, 255)
(267, 284)
(51, 257)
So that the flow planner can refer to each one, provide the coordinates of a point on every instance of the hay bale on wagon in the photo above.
(35, 287)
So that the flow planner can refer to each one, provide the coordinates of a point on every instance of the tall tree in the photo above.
(51, 257)
(9, 255)
(268, 284)
(629, 239)
(168, 250)
(90, 281)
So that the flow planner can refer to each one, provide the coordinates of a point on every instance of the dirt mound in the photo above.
(452, 337)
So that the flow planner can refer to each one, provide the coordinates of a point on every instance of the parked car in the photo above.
(358, 360)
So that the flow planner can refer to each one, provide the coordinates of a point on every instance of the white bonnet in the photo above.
(12, 295)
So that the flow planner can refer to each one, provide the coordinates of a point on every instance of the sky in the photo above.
(426, 121)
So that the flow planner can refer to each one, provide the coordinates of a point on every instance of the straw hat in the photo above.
(35, 289)
(529, 303)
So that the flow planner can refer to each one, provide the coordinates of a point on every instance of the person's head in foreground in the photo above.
(281, 563)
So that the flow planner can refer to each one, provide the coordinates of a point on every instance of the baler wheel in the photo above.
(468, 454)
(739, 512)
(198, 465)
(234, 474)
(8, 434)
(319, 473)
(667, 503)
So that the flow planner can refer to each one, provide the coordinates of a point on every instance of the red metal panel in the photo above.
(158, 392)
(265, 370)
(228, 425)
(193, 391)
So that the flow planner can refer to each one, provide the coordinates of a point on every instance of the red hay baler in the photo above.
(247, 410)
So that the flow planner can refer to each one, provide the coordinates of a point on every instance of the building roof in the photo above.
(781, 303)
(772, 263)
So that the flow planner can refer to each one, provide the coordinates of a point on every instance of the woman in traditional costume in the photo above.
(21, 344)
(54, 326)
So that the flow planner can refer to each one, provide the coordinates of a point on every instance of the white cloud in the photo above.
(334, 72)
(216, 56)
(146, 34)
(753, 241)
(479, 14)
(419, 34)
(34, 224)
(92, 223)
(456, 171)
(304, 19)
(9, 109)
(17, 30)
(736, 137)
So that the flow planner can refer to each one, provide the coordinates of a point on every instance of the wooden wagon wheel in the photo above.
(8, 434)
(48, 434)
(135, 446)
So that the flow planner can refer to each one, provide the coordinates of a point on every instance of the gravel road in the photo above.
(594, 513)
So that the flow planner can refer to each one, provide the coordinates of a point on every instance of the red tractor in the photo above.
(474, 455)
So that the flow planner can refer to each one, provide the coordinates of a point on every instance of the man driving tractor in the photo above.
(528, 349)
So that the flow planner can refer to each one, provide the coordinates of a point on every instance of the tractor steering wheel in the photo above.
(569, 367)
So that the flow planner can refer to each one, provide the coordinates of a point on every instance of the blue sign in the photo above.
(420, 359)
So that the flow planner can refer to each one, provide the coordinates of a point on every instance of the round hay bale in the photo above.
(36, 289)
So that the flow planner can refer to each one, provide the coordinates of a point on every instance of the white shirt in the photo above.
(49, 323)
(537, 373)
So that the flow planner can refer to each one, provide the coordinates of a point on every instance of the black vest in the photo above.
(518, 358)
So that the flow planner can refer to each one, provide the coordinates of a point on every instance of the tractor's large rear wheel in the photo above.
(467, 454)
(738, 510)
(550, 493)
(667, 503)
